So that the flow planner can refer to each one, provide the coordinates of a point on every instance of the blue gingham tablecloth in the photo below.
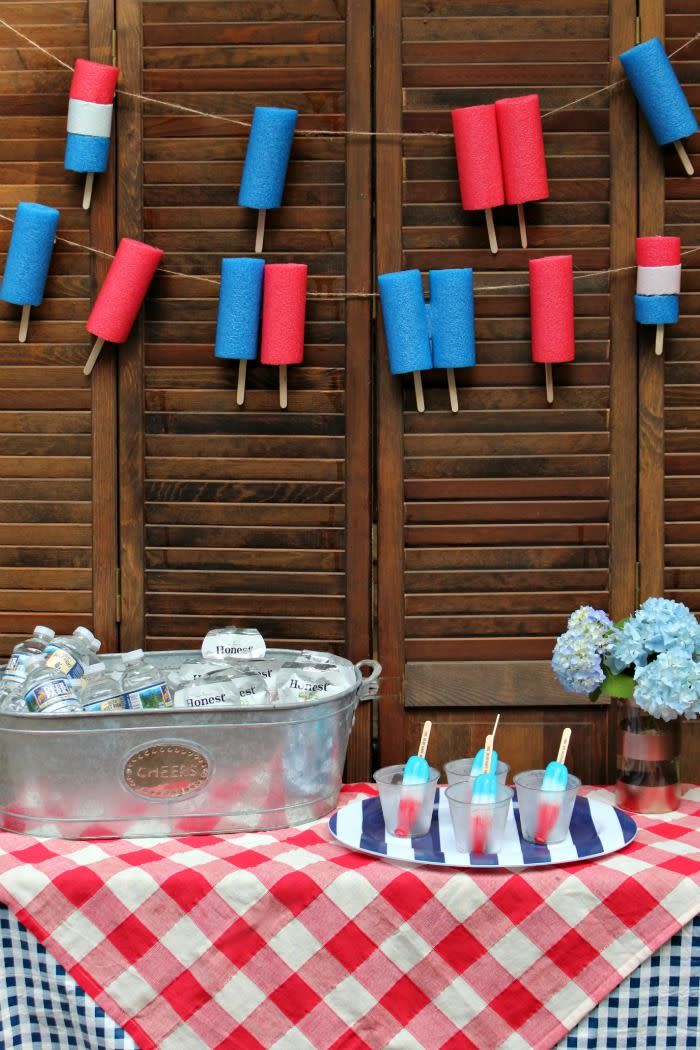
(655, 1008)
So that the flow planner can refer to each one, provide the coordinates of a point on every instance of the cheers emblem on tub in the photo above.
(167, 770)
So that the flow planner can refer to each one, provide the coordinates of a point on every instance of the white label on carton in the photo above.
(234, 644)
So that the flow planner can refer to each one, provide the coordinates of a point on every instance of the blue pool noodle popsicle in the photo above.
(406, 326)
(29, 258)
(238, 319)
(660, 96)
(266, 162)
(452, 323)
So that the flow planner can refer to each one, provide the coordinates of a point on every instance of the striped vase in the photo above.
(648, 761)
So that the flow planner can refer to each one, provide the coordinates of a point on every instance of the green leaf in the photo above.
(621, 685)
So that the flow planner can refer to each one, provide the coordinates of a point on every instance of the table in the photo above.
(334, 948)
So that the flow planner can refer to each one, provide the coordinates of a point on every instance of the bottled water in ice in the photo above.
(143, 684)
(49, 691)
(12, 692)
(16, 671)
(304, 680)
(100, 692)
(72, 653)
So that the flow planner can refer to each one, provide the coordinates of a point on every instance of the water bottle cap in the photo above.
(133, 657)
(93, 669)
(95, 645)
(85, 634)
(45, 634)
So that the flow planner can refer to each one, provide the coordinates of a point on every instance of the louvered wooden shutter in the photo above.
(256, 516)
(505, 509)
(57, 462)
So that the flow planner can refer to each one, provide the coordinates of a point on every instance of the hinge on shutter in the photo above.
(636, 584)
(637, 30)
(114, 48)
(118, 595)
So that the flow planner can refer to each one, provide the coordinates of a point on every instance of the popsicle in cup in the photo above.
(484, 793)
(556, 778)
(478, 765)
(416, 772)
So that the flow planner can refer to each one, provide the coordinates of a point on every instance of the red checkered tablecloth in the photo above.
(287, 940)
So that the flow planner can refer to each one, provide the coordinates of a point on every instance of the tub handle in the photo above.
(369, 686)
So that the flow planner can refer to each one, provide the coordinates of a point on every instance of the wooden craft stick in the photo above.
(452, 387)
(24, 323)
(564, 746)
(425, 737)
(283, 386)
(418, 384)
(260, 232)
(87, 192)
(240, 391)
(523, 227)
(549, 383)
(94, 354)
(685, 159)
(491, 230)
(659, 340)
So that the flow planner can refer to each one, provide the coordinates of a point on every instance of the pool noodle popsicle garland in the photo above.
(266, 162)
(656, 300)
(238, 317)
(90, 105)
(283, 318)
(451, 316)
(552, 313)
(121, 296)
(479, 162)
(522, 153)
(406, 326)
(28, 258)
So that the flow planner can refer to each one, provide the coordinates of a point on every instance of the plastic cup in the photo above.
(479, 827)
(544, 815)
(416, 800)
(460, 769)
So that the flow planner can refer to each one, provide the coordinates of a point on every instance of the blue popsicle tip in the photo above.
(405, 321)
(485, 788)
(29, 254)
(656, 309)
(267, 157)
(556, 777)
(416, 770)
(452, 318)
(240, 302)
(477, 764)
(86, 153)
(658, 91)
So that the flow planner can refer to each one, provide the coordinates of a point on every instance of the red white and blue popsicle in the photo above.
(658, 283)
(478, 763)
(556, 778)
(415, 772)
(484, 793)
(90, 120)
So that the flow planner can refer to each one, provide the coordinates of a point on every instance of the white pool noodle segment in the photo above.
(89, 118)
(658, 280)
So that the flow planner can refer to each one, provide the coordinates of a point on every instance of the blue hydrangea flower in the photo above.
(577, 656)
(669, 686)
(658, 626)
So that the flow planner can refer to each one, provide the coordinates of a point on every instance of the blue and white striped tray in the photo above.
(596, 830)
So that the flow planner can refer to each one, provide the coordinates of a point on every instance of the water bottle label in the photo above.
(63, 661)
(151, 696)
(110, 703)
(16, 670)
(42, 696)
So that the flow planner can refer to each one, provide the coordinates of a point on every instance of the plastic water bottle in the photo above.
(16, 671)
(71, 654)
(12, 693)
(49, 691)
(143, 682)
(100, 692)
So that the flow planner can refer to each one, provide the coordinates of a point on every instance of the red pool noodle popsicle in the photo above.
(283, 316)
(552, 312)
(122, 293)
(522, 153)
(479, 162)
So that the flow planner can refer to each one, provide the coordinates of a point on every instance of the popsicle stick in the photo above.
(563, 746)
(24, 323)
(94, 354)
(452, 387)
(491, 230)
(260, 232)
(495, 727)
(418, 384)
(549, 383)
(488, 753)
(685, 159)
(283, 386)
(87, 193)
(659, 341)
(240, 392)
(424, 738)
(523, 227)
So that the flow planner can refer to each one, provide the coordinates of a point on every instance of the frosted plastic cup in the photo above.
(479, 827)
(417, 799)
(460, 769)
(544, 815)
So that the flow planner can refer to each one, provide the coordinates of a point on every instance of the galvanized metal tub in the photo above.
(177, 772)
